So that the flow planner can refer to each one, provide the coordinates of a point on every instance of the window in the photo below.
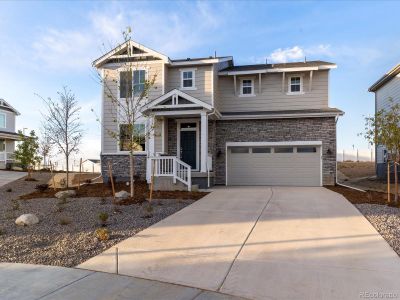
(240, 150)
(261, 150)
(131, 81)
(283, 150)
(247, 87)
(2, 145)
(306, 149)
(187, 79)
(139, 81)
(2, 120)
(139, 141)
(295, 85)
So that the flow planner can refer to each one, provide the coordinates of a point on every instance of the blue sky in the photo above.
(46, 45)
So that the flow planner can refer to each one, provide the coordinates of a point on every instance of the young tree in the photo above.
(383, 129)
(27, 151)
(133, 86)
(62, 124)
(45, 147)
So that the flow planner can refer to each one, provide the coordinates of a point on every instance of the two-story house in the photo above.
(387, 93)
(8, 136)
(217, 123)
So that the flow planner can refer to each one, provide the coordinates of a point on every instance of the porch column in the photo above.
(151, 151)
(203, 142)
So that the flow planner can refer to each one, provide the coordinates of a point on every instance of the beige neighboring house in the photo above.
(8, 136)
(386, 89)
(217, 123)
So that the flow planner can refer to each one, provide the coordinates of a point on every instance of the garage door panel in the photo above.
(297, 169)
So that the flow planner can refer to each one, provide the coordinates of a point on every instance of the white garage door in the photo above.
(274, 165)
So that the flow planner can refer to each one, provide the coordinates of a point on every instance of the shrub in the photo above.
(42, 187)
(62, 201)
(103, 216)
(15, 205)
(102, 234)
(9, 190)
(64, 221)
(103, 200)
(88, 181)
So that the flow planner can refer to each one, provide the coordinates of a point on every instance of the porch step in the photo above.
(167, 184)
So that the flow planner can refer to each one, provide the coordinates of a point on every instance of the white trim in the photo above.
(5, 120)
(126, 44)
(301, 92)
(283, 143)
(8, 106)
(178, 139)
(204, 141)
(103, 131)
(200, 62)
(177, 93)
(188, 88)
(252, 87)
(272, 144)
(281, 116)
(278, 70)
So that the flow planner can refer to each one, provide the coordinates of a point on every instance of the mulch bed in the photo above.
(358, 197)
(104, 190)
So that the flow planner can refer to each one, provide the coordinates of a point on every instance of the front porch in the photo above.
(181, 142)
(7, 147)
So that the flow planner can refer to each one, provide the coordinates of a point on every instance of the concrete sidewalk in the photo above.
(28, 282)
(9, 176)
(263, 243)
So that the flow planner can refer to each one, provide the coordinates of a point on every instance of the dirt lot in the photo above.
(357, 169)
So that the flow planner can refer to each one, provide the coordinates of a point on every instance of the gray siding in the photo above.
(203, 82)
(272, 97)
(111, 77)
(10, 121)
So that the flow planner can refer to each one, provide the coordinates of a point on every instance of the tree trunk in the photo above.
(132, 174)
(67, 161)
(396, 185)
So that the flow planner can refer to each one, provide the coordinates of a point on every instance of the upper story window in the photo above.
(295, 84)
(247, 87)
(132, 82)
(2, 120)
(188, 79)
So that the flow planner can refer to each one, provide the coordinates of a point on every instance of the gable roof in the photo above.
(175, 92)
(120, 49)
(280, 67)
(6, 106)
(385, 79)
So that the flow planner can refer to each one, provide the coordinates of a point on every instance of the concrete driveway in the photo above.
(263, 243)
(9, 176)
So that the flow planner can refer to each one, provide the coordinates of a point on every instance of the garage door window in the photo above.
(283, 150)
(306, 149)
(261, 150)
(240, 150)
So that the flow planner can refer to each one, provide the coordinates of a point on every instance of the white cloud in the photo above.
(297, 53)
(171, 33)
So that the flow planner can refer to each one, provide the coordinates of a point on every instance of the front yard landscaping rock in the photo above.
(27, 220)
(65, 194)
(122, 195)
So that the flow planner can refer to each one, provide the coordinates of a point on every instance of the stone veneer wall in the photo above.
(278, 130)
(120, 166)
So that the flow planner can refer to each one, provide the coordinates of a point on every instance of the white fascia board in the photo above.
(280, 116)
(283, 143)
(177, 112)
(199, 62)
(278, 70)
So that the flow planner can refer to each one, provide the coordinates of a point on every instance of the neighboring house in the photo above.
(8, 136)
(386, 88)
(265, 124)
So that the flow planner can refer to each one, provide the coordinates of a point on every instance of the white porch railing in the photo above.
(6, 156)
(171, 166)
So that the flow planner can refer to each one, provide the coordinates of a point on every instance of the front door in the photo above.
(188, 148)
